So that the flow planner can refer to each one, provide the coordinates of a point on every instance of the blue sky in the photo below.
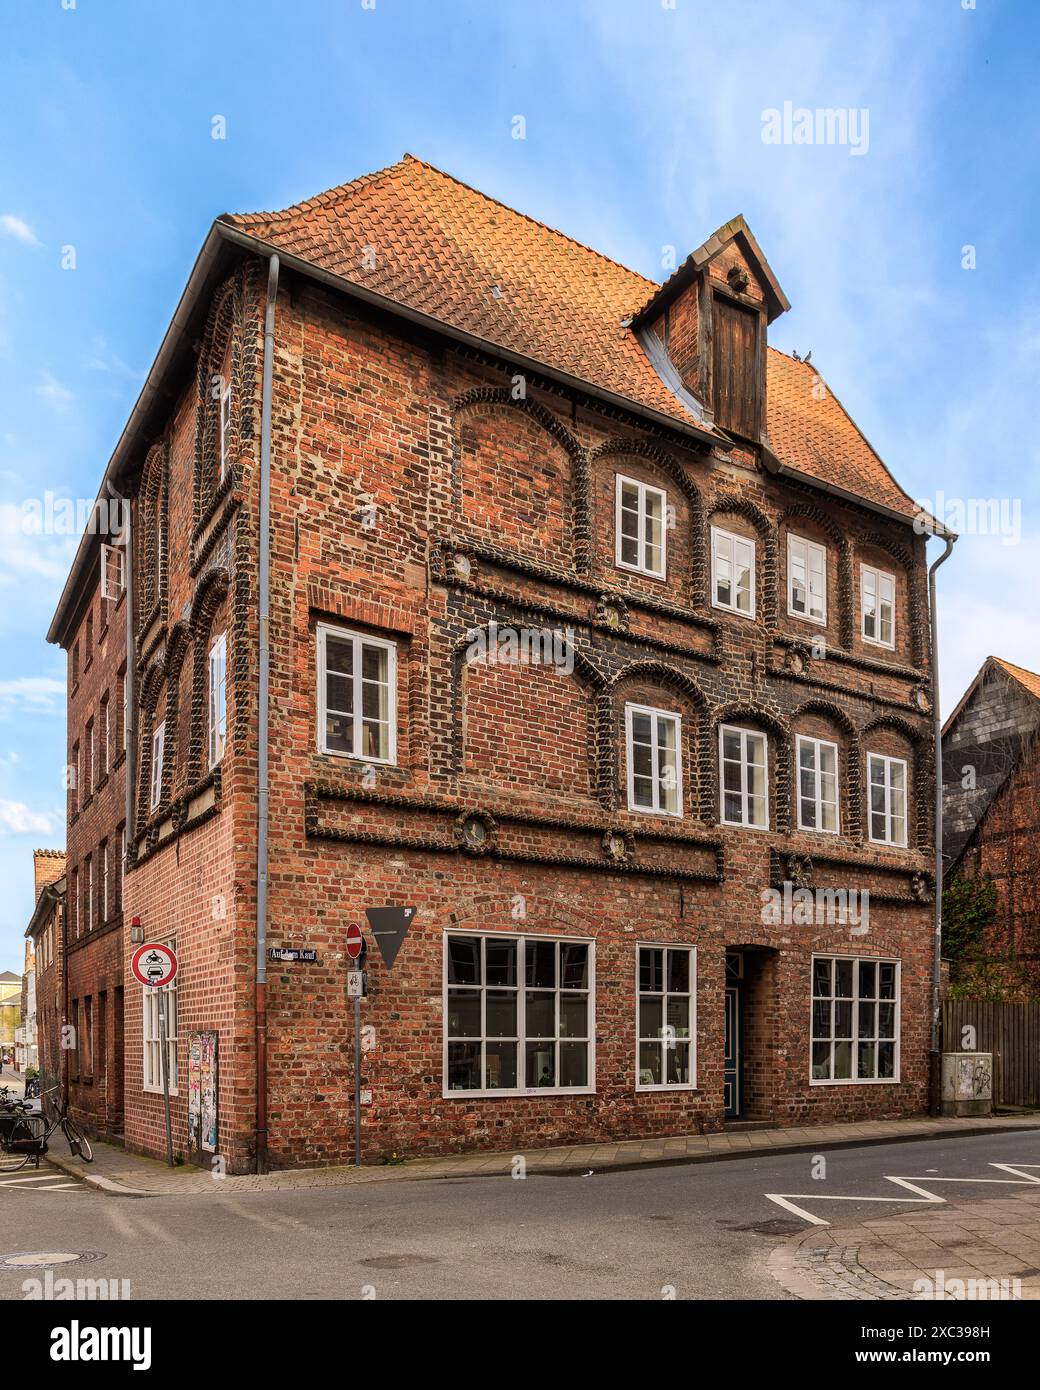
(644, 125)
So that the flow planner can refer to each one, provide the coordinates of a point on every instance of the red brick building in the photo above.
(45, 933)
(991, 821)
(593, 622)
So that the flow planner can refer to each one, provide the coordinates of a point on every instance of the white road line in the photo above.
(924, 1197)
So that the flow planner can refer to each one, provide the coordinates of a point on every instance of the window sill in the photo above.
(655, 1090)
(733, 612)
(524, 1093)
(158, 1090)
(859, 1081)
(805, 618)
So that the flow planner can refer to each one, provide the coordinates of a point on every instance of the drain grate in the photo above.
(397, 1261)
(48, 1259)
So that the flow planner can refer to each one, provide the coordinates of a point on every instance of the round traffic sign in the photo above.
(355, 941)
(154, 964)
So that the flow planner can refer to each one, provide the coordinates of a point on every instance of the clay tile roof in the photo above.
(442, 248)
(1029, 679)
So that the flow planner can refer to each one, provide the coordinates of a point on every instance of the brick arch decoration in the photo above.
(923, 769)
(210, 593)
(152, 547)
(917, 615)
(590, 675)
(669, 464)
(775, 723)
(663, 674)
(222, 327)
(485, 400)
(741, 506)
(846, 609)
(852, 801)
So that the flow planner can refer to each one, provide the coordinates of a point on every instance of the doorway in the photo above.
(733, 1059)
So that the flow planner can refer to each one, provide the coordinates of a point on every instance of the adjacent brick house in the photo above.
(991, 814)
(485, 436)
(44, 940)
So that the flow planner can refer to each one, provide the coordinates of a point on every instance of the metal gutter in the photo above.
(129, 685)
(932, 527)
(934, 1070)
(133, 432)
(264, 702)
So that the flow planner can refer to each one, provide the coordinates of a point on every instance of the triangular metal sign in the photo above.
(389, 927)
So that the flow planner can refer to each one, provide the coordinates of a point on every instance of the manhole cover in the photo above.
(43, 1259)
(397, 1261)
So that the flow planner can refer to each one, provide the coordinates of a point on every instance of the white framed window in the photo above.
(855, 1020)
(90, 892)
(225, 424)
(106, 735)
(666, 1026)
(158, 752)
(806, 579)
(886, 780)
(744, 777)
(732, 572)
(126, 693)
(217, 699)
(113, 580)
(817, 784)
(653, 746)
(357, 695)
(519, 1015)
(152, 1049)
(878, 606)
(639, 527)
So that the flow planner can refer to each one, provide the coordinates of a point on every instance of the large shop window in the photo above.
(517, 1015)
(152, 1049)
(654, 760)
(855, 1019)
(666, 981)
(357, 695)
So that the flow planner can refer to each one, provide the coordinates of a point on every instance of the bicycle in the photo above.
(23, 1138)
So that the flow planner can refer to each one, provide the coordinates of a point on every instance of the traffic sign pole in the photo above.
(357, 1082)
(165, 1052)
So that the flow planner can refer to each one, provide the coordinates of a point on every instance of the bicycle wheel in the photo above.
(79, 1144)
(21, 1141)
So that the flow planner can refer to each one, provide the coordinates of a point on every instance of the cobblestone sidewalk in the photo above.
(119, 1172)
(994, 1240)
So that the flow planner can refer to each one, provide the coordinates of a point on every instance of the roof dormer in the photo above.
(710, 318)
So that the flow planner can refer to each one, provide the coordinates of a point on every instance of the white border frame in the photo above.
(221, 642)
(690, 1085)
(888, 761)
(644, 488)
(729, 607)
(321, 632)
(896, 1078)
(631, 709)
(878, 575)
(809, 545)
(828, 743)
(756, 733)
(512, 1094)
(155, 782)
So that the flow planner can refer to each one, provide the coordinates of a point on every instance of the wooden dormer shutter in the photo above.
(735, 367)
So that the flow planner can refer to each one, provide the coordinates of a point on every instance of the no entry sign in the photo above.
(154, 964)
(355, 941)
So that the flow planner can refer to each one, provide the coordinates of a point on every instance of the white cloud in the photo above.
(17, 819)
(19, 229)
(37, 694)
(60, 397)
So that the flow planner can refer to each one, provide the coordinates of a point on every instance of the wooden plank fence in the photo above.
(1011, 1032)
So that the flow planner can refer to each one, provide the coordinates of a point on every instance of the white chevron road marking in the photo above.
(787, 1200)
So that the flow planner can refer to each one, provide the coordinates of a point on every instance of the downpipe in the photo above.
(935, 1052)
(263, 723)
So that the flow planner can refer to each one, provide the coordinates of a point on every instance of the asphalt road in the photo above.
(703, 1231)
